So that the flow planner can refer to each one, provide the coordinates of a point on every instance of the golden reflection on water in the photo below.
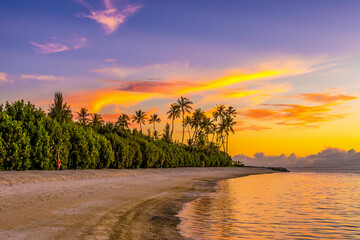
(277, 206)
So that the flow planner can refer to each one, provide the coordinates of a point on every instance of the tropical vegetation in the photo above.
(33, 139)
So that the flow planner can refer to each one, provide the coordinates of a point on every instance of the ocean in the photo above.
(306, 203)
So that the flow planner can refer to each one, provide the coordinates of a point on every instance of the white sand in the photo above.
(101, 204)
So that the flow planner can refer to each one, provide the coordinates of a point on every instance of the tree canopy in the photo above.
(32, 139)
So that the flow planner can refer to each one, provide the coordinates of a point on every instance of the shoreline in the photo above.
(103, 204)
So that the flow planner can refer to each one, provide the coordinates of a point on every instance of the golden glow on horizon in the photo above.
(104, 97)
(290, 124)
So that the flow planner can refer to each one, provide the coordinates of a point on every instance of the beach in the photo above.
(103, 204)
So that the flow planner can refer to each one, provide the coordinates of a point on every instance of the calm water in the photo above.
(302, 204)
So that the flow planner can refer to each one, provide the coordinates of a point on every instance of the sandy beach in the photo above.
(102, 204)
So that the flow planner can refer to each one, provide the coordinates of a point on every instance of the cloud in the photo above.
(150, 86)
(166, 81)
(144, 90)
(109, 60)
(3, 78)
(255, 95)
(111, 17)
(252, 128)
(166, 71)
(301, 115)
(97, 99)
(329, 157)
(59, 45)
(261, 114)
(45, 78)
(326, 97)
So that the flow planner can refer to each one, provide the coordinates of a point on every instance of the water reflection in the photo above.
(277, 206)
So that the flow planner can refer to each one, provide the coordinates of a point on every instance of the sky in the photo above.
(290, 68)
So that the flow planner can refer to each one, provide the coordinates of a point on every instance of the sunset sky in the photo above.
(290, 68)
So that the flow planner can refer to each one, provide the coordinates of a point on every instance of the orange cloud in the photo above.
(110, 18)
(326, 97)
(261, 114)
(307, 115)
(252, 128)
(175, 79)
(132, 92)
(150, 86)
(292, 114)
(97, 99)
(230, 80)
(255, 95)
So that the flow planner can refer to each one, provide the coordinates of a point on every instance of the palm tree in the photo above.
(96, 119)
(174, 113)
(197, 118)
(139, 118)
(123, 121)
(59, 110)
(184, 104)
(83, 116)
(166, 134)
(206, 126)
(154, 119)
(219, 112)
(156, 134)
(228, 125)
(230, 114)
(230, 111)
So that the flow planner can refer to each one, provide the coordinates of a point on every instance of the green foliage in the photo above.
(15, 144)
(29, 139)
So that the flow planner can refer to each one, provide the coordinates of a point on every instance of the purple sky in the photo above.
(289, 67)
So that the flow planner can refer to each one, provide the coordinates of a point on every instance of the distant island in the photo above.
(32, 139)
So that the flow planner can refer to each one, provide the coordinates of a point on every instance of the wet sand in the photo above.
(102, 204)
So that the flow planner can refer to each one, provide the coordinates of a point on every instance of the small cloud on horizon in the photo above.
(329, 157)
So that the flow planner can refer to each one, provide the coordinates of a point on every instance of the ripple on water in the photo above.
(296, 205)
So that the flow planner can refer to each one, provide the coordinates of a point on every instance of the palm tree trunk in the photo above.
(227, 142)
(213, 136)
(182, 141)
(172, 128)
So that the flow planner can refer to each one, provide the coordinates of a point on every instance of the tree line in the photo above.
(32, 139)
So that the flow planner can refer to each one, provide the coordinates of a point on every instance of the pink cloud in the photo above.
(109, 60)
(110, 18)
(59, 45)
(4, 78)
(45, 78)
